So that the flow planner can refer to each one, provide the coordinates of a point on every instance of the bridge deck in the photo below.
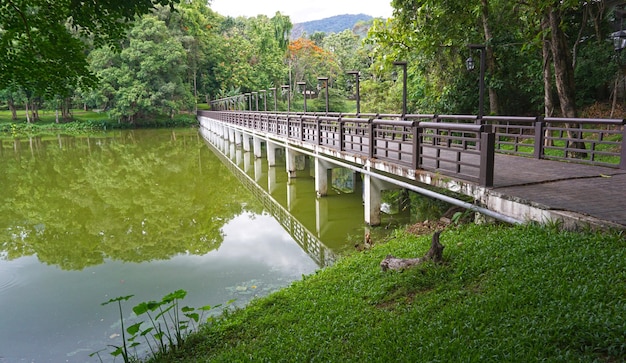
(594, 191)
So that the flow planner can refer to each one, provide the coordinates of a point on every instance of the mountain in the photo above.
(334, 24)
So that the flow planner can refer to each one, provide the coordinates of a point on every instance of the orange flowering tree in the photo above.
(307, 61)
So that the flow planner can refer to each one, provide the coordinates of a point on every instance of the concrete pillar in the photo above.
(246, 142)
(238, 137)
(258, 151)
(323, 172)
(372, 198)
(271, 154)
(294, 161)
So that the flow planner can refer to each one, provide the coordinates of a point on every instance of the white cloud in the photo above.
(301, 11)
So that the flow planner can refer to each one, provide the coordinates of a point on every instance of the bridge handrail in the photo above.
(460, 150)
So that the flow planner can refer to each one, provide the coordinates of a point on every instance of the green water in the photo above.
(87, 218)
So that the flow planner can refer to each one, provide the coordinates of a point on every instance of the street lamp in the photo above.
(249, 101)
(273, 89)
(262, 92)
(403, 65)
(303, 84)
(358, 98)
(470, 65)
(325, 80)
(256, 99)
(285, 88)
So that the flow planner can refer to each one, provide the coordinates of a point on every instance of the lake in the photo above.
(92, 217)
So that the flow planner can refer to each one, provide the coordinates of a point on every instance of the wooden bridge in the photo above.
(516, 169)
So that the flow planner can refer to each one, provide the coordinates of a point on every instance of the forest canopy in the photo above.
(147, 58)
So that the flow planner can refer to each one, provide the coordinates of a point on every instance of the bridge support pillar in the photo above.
(238, 138)
(271, 153)
(323, 170)
(294, 161)
(372, 198)
(246, 142)
(258, 151)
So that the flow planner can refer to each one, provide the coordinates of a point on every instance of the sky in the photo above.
(300, 11)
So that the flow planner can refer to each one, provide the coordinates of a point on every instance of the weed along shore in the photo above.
(501, 294)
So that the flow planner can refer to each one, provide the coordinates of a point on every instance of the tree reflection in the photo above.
(132, 196)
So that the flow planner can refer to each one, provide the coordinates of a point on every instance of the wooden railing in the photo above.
(465, 151)
(456, 145)
(581, 140)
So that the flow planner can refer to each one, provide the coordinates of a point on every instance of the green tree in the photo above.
(251, 55)
(43, 43)
(148, 76)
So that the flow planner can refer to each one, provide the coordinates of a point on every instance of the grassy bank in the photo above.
(504, 294)
(81, 121)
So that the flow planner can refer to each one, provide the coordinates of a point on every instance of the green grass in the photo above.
(504, 294)
(557, 150)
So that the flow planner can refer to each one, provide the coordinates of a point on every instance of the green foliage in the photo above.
(250, 55)
(147, 76)
(42, 45)
(523, 294)
(169, 325)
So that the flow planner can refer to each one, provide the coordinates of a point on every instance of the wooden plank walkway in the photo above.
(593, 191)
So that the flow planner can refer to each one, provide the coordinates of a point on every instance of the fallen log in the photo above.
(435, 254)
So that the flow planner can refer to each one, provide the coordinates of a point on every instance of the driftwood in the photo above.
(435, 254)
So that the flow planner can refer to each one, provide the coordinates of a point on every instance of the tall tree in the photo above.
(148, 76)
(43, 43)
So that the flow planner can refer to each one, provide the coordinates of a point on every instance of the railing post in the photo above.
(622, 159)
(318, 131)
(371, 130)
(416, 145)
(341, 135)
(487, 155)
(540, 126)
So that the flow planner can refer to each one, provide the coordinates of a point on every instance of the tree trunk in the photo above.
(548, 97)
(494, 103)
(435, 254)
(13, 109)
(66, 109)
(27, 111)
(564, 76)
(34, 108)
(563, 70)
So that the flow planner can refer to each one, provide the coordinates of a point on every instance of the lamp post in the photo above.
(285, 88)
(356, 74)
(263, 93)
(470, 65)
(249, 101)
(303, 84)
(325, 81)
(273, 89)
(403, 65)
(256, 99)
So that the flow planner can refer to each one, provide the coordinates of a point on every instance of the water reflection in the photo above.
(88, 218)
(322, 226)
